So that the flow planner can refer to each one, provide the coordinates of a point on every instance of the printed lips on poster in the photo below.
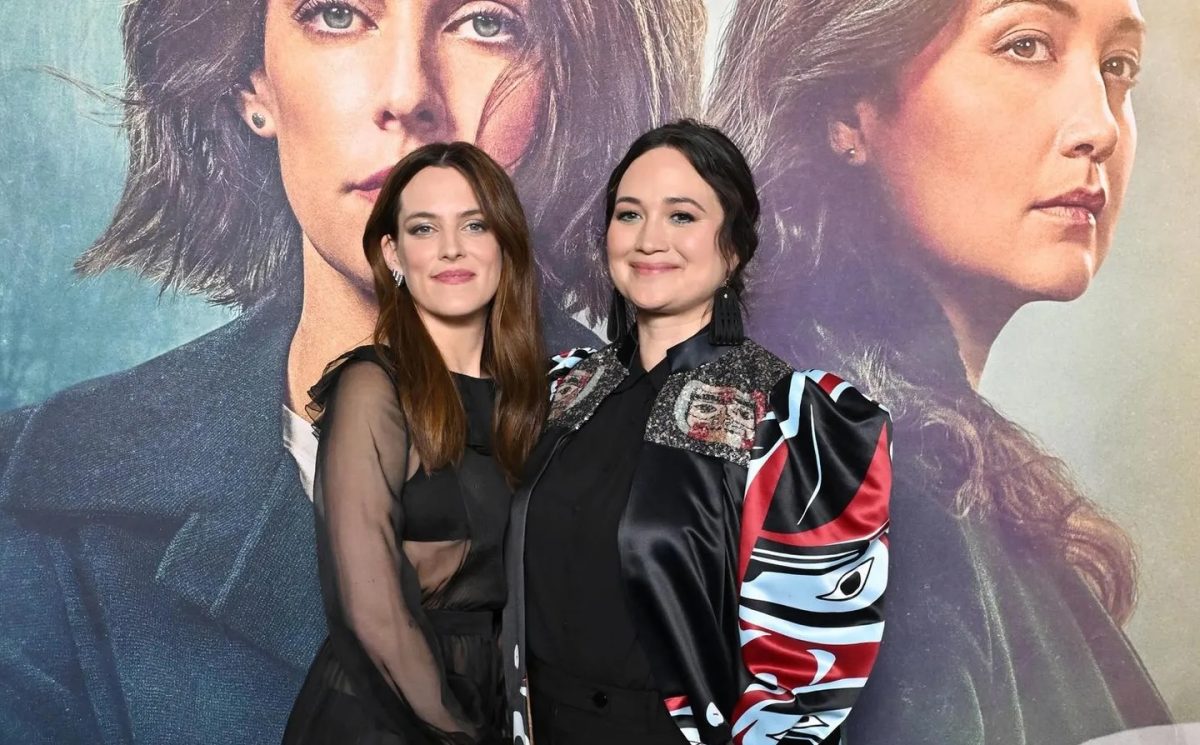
(974, 209)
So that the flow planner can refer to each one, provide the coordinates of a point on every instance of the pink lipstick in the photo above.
(369, 187)
(651, 267)
(454, 276)
(1077, 207)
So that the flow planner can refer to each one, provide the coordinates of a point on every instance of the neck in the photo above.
(977, 312)
(658, 333)
(458, 340)
(337, 315)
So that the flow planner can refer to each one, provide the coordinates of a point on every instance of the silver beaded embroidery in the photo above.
(714, 409)
(579, 393)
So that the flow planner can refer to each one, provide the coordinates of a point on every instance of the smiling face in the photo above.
(1009, 147)
(446, 250)
(663, 249)
(348, 87)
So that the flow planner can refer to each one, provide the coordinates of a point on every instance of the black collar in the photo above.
(656, 377)
(688, 354)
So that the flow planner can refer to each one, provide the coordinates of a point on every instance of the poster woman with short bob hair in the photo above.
(158, 519)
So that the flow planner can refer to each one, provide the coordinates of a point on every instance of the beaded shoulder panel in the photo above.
(577, 394)
(715, 408)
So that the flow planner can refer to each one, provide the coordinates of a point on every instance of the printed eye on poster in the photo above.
(977, 210)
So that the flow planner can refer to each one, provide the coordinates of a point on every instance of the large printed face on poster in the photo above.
(256, 144)
(256, 136)
(342, 91)
(927, 169)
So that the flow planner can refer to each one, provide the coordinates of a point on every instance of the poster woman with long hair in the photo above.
(928, 168)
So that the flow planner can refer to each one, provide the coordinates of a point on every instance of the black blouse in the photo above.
(411, 572)
(578, 617)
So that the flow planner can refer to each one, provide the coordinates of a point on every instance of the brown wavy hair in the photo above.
(512, 346)
(830, 285)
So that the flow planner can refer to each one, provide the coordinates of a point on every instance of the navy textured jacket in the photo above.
(156, 550)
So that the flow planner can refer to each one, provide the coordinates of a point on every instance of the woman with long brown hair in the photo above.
(259, 134)
(929, 167)
(422, 436)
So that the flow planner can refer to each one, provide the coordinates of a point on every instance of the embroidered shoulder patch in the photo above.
(577, 394)
(719, 413)
(715, 409)
(569, 388)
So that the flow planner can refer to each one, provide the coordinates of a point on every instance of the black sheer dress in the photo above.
(411, 571)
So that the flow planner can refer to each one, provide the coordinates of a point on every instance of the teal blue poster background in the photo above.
(1118, 372)
(63, 168)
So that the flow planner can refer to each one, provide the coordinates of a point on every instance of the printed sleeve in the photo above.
(378, 629)
(562, 363)
(813, 560)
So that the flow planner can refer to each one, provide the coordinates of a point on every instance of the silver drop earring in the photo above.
(396, 275)
(258, 119)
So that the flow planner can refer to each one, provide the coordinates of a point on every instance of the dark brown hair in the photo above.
(204, 210)
(722, 166)
(829, 275)
(512, 347)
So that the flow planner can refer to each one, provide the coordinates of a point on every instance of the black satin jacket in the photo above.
(753, 547)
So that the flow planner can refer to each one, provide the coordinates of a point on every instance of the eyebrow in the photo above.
(1128, 24)
(1131, 25)
(431, 216)
(668, 200)
(1060, 6)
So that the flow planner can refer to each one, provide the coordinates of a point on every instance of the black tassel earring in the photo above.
(726, 329)
(618, 318)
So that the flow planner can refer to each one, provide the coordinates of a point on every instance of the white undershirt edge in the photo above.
(300, 441)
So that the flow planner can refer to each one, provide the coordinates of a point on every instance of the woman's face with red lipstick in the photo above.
(348, 87)
(1009, 145)
(445, 248)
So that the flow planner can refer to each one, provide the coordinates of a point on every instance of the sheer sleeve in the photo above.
(813, 559)
(378, 629)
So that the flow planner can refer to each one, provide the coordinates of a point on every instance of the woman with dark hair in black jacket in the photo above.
(700, 551)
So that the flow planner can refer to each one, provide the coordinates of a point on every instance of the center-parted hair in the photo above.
(204, 209)
(722, 166)
(512, 347)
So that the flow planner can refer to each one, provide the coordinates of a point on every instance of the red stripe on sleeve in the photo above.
(863, 518)
(756, 503)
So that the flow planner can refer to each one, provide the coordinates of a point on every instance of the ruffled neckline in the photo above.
(478, 397)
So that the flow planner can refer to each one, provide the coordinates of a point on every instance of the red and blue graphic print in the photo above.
(813, 560)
